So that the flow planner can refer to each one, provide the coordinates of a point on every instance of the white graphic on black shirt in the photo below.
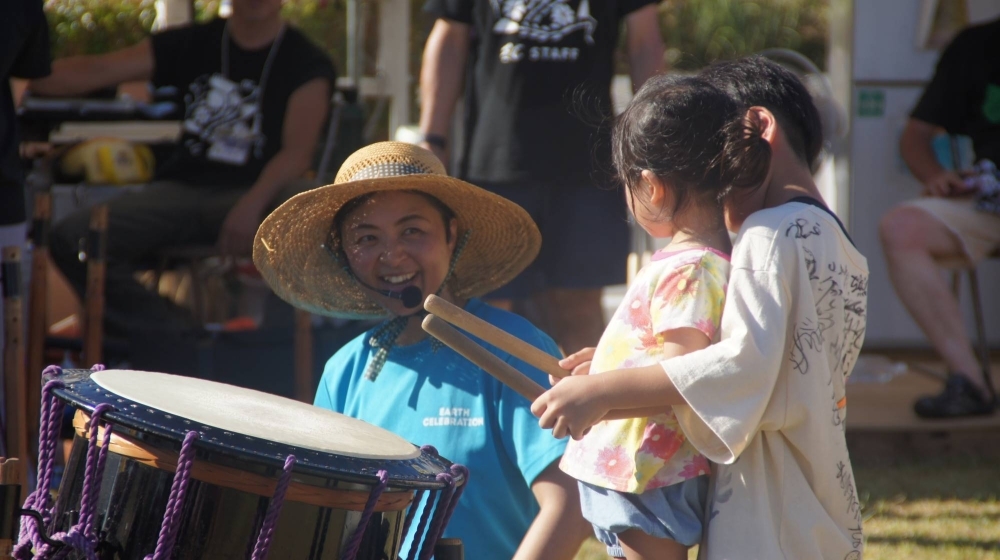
(224, 118)
(545, 21)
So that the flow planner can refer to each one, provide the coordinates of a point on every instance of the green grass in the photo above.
(931, 509)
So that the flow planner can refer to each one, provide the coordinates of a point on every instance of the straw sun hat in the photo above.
(290, 247)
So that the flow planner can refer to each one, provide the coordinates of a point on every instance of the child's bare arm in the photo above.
(559, 528)
(579, 402)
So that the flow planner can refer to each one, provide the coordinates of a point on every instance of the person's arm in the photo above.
(78, 75)
(915, 145)
(559, 528)
(728, 386)
(304, 118)
(441, 77)
(645, 45)
(576, 403)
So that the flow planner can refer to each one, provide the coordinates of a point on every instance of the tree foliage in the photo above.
(696, 32)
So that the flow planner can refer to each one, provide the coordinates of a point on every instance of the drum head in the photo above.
(256, 414)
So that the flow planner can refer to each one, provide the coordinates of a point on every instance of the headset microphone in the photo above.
(411, 296)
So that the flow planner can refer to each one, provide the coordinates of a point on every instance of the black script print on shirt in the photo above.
(802, 228)
(846, 479)
(811, 334)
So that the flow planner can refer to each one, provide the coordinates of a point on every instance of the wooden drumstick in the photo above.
(502, 371)
(498, 337)
(482, 357)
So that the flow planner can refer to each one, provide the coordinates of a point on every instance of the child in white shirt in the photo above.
(680, 147)
(767, 402)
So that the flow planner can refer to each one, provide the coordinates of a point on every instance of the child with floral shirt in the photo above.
(679, 148)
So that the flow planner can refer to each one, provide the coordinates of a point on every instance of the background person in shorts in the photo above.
(533, 69)
(962, 98)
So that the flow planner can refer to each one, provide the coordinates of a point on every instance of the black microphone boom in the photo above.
(411, 296)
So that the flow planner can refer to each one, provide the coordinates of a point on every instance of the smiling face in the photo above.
(397, 239)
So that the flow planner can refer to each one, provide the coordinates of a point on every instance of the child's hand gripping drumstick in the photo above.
(502, 371)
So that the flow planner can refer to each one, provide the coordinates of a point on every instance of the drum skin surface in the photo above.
(417, 469)
(256, 414)
(246, 435)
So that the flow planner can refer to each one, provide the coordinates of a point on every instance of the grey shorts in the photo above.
(674, 512)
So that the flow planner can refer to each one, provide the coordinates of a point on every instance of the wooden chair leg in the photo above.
(303, 356)
(10, 482)
(37, 300)
(93, 328)
(15, 386)
(981, 342)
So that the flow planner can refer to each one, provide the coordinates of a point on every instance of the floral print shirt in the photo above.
(679, 289)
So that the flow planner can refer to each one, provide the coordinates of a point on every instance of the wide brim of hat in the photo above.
(289, 249)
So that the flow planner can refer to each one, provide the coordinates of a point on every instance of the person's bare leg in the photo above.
(640, 546)
(575, 317)
(912, 239)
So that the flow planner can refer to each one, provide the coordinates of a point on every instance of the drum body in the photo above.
(233, 478)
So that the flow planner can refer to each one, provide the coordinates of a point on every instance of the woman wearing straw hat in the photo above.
(392, 229)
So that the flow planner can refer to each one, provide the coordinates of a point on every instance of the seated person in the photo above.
(256, 93)
(962, 98)
(375, 243)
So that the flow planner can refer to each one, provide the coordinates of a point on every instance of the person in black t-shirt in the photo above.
(255, 94)
(24, 53)
(538, 78)
(962, 98)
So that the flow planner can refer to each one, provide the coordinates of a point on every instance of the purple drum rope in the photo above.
(30, 543)
(425, 513)
(82, 536)
(446, 506)
(351, 550)
(171, 516)
(273, 510)
(463, 472)
(418, 533)
(414, 506)
(30, 535)
(444, 497)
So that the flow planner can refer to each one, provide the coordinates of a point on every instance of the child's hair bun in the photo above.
(746, 155)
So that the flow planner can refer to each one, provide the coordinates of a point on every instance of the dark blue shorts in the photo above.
(585, 236)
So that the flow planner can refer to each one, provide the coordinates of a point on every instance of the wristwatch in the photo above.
(435, 140)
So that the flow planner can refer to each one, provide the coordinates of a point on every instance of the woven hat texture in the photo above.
(290, 246)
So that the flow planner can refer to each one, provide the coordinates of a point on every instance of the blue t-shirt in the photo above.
(439, 398)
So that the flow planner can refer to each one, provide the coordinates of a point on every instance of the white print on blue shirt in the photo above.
(454, 417)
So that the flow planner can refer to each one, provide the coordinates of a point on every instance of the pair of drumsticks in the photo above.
(437, 325)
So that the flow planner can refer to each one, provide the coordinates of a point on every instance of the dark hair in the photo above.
(690, 135)
(447, 214)
(755, 80)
